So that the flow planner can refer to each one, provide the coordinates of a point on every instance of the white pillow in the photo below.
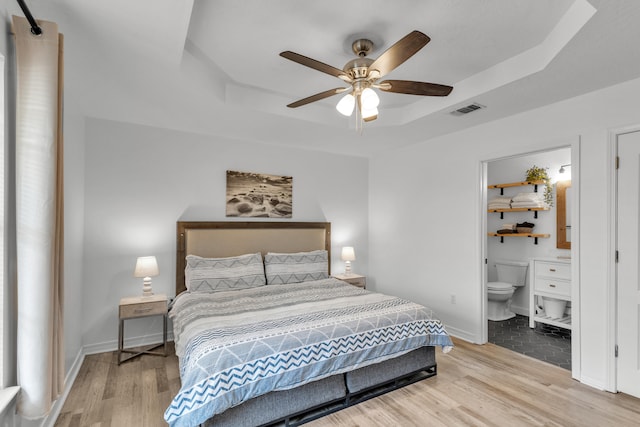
(224, 274)
(283, 268)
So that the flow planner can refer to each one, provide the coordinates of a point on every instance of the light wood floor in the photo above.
(475, 386)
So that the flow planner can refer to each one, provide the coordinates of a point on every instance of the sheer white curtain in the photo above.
(39, 216)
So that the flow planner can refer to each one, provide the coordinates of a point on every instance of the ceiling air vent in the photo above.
(467, 109)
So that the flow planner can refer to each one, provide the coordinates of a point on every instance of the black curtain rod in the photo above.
(35, 29)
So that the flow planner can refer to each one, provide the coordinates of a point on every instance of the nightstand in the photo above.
(353, 279)
(136, 307)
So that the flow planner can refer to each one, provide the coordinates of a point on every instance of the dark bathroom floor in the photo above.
(544, 342)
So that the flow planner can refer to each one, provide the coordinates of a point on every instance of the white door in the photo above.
(629, 256)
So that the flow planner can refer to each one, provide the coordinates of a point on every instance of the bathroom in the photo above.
(549, 340)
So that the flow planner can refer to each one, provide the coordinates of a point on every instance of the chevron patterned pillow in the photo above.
(224, 274)
(296, 267)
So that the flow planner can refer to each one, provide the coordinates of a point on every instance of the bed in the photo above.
(265, 336)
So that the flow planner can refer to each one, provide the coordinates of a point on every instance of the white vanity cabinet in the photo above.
(549, 277)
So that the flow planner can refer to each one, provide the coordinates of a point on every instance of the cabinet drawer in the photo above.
(553, 270)
(144, 309)
(358, 281)
(559, 287)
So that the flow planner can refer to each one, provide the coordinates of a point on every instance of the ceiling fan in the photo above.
(363, 73)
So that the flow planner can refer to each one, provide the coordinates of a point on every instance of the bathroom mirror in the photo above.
(563, 214)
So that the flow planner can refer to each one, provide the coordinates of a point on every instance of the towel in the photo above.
(525, 224)
(501, 199)
(530, 204)
(528, 197)
(500, 202)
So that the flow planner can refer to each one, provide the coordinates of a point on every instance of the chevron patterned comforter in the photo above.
(236, 345)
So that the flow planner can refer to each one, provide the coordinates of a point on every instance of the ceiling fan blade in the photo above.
(317, 97)
(404, 49)
(414, 88)
(316, 65)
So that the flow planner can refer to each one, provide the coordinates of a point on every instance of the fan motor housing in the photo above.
(358, 68)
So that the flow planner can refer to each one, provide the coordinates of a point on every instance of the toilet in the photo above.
(511, 276)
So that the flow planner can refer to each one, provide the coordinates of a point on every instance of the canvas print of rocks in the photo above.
(259, 195)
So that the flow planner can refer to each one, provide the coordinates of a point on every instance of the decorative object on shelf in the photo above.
(522, 202)
(524, 227)
(507, 229)
(499, 202)
(348, 255)
(259, 195)
(528, 200)
(536, 173)
(146, 267)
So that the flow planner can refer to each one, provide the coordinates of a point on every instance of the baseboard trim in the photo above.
(463, 335)
(50, 419)
(106, 346)
(598, 384)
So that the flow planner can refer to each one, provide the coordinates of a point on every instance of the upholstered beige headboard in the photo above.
(225, 239)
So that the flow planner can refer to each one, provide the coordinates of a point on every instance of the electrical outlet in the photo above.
(453, 299)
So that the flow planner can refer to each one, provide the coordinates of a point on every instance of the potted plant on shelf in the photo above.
(536, 173)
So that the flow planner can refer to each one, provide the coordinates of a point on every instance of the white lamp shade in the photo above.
(146, 266)
(369, 99)
(346, 104)
(348, 254)
(369, 113)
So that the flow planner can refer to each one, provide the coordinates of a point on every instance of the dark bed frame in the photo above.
(319, 398)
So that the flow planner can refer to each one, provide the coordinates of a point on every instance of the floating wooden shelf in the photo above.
(517, 209)
(534, 210)
(502, 211)
(516, 184)
(535, 236)
(519, 235)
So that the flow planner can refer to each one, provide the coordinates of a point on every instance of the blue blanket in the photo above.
(236, 345)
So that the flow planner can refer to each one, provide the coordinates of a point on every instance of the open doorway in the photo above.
(530, 311)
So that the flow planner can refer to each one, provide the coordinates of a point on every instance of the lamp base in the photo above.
(147, 291)
(347, 268)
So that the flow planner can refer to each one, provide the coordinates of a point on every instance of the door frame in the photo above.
(611, 384)
(574, 144)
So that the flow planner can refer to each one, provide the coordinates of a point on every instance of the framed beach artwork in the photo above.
(259, 195)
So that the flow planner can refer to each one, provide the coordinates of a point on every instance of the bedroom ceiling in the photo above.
(212, 67)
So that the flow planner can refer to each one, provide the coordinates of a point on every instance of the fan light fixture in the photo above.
(368, 105)
(346, 104)
(362, 75)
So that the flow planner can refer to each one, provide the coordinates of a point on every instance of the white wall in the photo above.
(141, 180)
(513, 169)
(425, 228)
